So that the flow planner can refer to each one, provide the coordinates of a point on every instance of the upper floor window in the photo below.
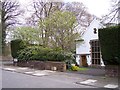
(95, 31)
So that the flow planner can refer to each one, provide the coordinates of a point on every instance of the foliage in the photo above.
(76, 68)
(17, 45)
(59, 30)
(110, 45)
(43, 10)
(42, 54)
(26, 33)
(55, 31)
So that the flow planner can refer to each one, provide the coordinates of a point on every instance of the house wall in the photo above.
(84, 47)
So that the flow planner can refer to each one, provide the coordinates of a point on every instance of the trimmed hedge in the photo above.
(110, 45)
(42, 54)
(17, 45)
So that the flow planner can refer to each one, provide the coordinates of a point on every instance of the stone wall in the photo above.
(44, 65)
(112, 70)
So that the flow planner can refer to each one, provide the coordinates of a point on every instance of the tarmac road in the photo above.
(19, 77)
(19, 80)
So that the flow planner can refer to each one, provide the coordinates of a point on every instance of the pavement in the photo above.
(90, 71)
(93, 77)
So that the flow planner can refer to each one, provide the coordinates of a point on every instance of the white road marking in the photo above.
(22, 68)
(29, 72)
(88, 81)
(39, 74)
(10, 69)
(49, 71)
(111, 86)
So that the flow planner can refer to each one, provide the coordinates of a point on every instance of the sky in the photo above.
(95, 7)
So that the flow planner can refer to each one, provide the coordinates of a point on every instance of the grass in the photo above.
(76, 68)
(83, 69)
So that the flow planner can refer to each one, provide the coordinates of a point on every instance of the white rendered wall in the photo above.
(84, 47)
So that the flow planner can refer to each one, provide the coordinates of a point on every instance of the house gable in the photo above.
(84, 46)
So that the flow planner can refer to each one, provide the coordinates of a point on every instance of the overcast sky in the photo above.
(96, 7)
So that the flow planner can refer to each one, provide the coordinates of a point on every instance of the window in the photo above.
(95, 52)
(95, 31)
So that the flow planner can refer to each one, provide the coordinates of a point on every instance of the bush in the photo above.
(42, 54)
(75, 68)
(17, 45)
(33, 53)
(110, 45)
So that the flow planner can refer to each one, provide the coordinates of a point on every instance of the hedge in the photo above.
(110, 45)
(17, 45)
(42, 54)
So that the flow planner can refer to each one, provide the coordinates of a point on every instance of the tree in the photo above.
(81, 13)
(28, 34)
(9, 12)
(113, 16)
(31, 21)
(0, 31)
(61, 32)
(43, 10)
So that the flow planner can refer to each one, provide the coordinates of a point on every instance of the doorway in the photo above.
(84, 61)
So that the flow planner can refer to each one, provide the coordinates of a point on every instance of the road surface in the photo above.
(19, 80)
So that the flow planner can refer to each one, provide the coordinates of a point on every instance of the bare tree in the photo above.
(83, 17)
(0, 31)
(114, 15)
(31, 21)
(9, 12)
(43, 10)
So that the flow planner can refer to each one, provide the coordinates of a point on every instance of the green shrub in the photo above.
(33, 53)
(17, 45)
(76, 68)
(59, 56)
(110, 45)
(42, 54)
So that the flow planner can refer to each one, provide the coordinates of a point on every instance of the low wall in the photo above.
(112, 70)
(6, 58)
(43, 65)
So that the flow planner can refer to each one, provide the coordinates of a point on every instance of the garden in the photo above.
(39, 57)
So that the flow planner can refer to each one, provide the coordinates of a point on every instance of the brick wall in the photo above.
(112, 70)
(46, 65)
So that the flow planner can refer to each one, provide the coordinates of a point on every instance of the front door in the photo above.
(84, 60)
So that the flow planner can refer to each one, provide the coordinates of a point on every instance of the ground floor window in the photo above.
(95, 52)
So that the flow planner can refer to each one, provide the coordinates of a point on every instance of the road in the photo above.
(19, 80)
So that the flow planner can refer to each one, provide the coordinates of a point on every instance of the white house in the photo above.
(88, 50)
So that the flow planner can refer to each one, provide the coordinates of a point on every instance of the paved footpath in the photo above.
(82, 79)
